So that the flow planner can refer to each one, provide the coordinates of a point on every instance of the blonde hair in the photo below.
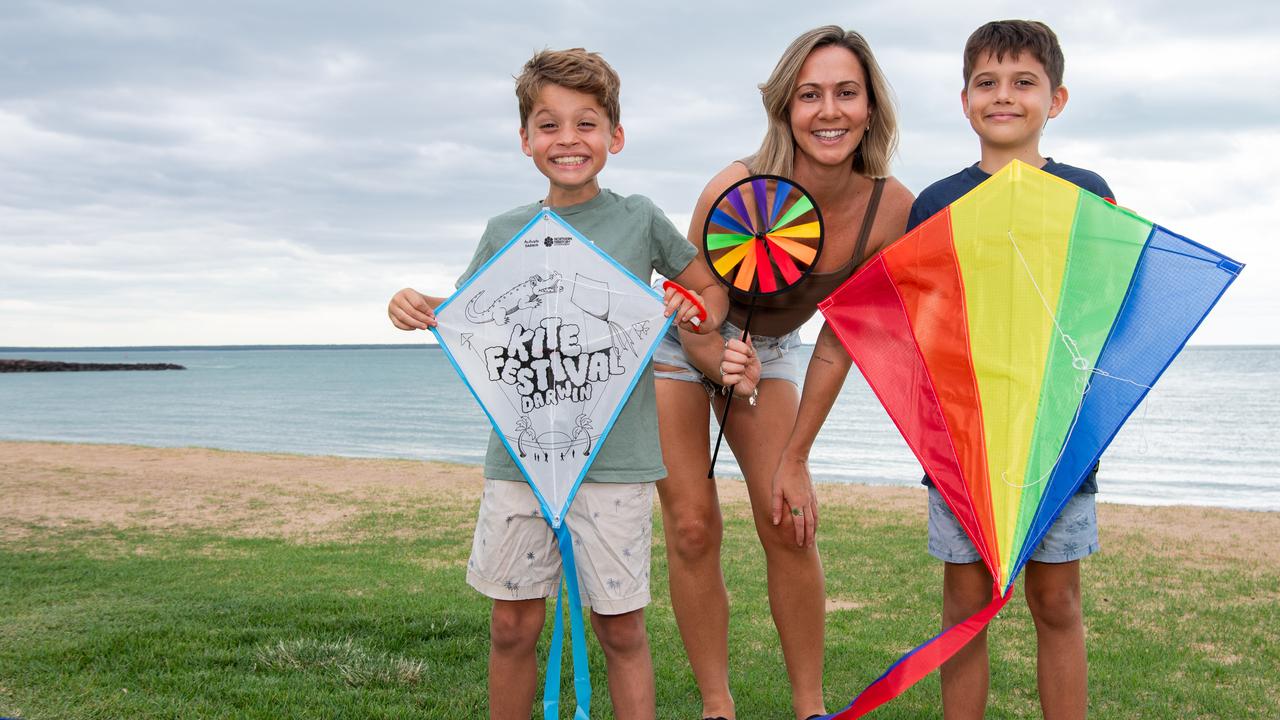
(776, 155)
(575, 69)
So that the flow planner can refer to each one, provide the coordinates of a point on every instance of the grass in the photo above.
(125, 622)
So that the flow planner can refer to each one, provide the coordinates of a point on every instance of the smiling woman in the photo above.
(832, 129)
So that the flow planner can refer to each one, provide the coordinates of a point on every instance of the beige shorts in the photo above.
(514, 555)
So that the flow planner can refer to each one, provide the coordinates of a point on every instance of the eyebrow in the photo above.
(837, 84)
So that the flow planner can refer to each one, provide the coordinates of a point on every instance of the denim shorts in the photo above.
(1072, 536)
(778, 357)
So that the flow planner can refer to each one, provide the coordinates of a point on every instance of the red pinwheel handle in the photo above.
(702, 309)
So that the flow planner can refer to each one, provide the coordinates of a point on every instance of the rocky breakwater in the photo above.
(15, 366)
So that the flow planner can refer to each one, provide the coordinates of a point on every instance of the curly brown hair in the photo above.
(575, 69)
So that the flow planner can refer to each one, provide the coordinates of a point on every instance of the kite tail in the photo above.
(581, 674)
(915, 665)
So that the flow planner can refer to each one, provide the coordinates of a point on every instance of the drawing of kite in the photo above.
(1009, 337)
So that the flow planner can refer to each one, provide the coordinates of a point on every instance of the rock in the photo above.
(14, 366)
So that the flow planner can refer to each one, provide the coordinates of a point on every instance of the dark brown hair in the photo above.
(575, 69)
(1012, 38)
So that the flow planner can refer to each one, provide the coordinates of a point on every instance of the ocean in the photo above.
(1206, 435)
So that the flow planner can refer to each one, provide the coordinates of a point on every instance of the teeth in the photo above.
(570, 160)
(829, 133)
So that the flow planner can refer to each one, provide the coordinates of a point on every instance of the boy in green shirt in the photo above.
(569, 118)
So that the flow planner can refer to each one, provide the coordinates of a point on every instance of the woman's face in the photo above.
(829, 106)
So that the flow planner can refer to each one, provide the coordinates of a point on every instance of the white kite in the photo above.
(551, 336)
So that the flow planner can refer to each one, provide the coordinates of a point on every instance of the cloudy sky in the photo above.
(249, 172)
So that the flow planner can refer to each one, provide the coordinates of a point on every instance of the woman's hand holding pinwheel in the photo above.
(740, 368)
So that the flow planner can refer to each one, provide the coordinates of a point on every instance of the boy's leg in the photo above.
(966, 589)
(1053, 596)
(514, 627)
(1052, 587)
(627, 661)
(693, 526)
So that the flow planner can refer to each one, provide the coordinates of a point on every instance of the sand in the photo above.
(57, 485)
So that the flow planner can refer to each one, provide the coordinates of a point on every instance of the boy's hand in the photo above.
(685, 306)
(740, 367)
(411, 310)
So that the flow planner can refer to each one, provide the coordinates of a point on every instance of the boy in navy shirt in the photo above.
(1013, 86)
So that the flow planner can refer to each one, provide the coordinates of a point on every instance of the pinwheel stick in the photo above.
(728, 402)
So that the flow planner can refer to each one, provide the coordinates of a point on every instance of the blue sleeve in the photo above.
(917, 216)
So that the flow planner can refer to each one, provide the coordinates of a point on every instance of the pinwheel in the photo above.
(544, 359)
(762, 237)
(1009, 337)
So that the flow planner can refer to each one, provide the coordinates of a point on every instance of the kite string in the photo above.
(1078, 361)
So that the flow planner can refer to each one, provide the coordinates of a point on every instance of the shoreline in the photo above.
(48, 485)
(726, 483)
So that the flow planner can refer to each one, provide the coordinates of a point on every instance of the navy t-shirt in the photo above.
(949, 189)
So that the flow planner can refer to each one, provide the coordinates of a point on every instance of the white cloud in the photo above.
(257, 173)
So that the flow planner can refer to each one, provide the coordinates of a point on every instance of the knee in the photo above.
(622, 634)
(1055, 608)
(515, 627)
(694, 537)
(779, 539)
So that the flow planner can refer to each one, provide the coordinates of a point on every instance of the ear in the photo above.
(964, 100)
(524, 142)
(616, 140)
(1057, 101)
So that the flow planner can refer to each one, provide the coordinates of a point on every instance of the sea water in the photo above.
(1206, 435)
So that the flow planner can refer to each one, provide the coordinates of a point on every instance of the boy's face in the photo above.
(1009, 101)
(829, 107)
(569, 137)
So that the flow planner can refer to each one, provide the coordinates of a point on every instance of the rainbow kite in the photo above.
(1009, 337)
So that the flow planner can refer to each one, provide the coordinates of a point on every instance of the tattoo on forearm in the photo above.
(828, 361)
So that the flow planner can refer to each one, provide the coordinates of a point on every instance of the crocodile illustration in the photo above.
(527, 294)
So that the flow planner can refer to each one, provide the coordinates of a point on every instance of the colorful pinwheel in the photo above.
(762, 237)
(1009, 337)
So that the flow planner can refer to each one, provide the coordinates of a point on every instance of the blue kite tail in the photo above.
(581, 673)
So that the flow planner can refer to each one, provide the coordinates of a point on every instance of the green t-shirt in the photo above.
(634, 232)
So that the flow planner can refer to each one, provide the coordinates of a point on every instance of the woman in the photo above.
(832, 130)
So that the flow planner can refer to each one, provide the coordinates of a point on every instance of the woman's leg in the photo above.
(797, 591)
(693, 528)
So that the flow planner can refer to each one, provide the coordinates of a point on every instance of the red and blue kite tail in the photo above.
(915, 665)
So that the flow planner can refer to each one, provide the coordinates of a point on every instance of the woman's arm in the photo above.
(792, 484)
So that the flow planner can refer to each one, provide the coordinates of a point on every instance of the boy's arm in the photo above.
(697, 278)
(411, 310)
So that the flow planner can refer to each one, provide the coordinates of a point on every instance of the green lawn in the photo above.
(126, 623)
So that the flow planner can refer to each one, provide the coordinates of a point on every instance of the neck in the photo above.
(828, 184)
(564, 197)
(995, 158)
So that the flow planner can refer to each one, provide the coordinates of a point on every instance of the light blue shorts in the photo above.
(778, 357)
(1072, 536)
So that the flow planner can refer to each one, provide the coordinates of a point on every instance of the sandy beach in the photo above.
(56, 485)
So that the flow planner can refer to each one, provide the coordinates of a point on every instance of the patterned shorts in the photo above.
(1072, 536)
(514, 554)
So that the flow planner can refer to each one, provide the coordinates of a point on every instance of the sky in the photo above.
(240, 172)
